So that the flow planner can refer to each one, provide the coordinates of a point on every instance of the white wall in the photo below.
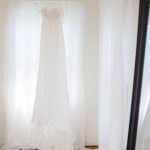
(91, 71)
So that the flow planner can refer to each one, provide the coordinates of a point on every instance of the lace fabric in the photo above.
(53, 14)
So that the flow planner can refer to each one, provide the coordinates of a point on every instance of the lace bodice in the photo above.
(53, 14)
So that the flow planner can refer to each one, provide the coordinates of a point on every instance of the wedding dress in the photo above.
(52, 99)
(52, 106)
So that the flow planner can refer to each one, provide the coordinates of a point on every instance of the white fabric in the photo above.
(52, 105)
(118, 34)
(143, 134)
(22, 56)
(2, 35)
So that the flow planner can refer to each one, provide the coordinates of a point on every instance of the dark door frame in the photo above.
(138, 73)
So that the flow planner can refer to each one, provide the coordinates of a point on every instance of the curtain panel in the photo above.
(24, 44)
(118, 34)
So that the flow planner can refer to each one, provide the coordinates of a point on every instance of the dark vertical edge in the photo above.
(138, 73)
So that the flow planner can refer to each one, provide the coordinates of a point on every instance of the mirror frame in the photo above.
(138, 73)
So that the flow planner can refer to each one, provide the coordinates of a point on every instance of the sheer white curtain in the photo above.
(2, 34)
(24, 62)
(118, 33)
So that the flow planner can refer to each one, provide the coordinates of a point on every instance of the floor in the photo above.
(91, 147)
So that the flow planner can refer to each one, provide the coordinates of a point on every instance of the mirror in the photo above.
(143, 133)
(139, 131)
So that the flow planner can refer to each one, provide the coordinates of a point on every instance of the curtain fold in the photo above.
(2, 35)
(22, 59)
(118, 32)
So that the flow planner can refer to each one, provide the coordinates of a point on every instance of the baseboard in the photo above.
(90, 142)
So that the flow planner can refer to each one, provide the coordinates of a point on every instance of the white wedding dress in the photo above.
(52, 105)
